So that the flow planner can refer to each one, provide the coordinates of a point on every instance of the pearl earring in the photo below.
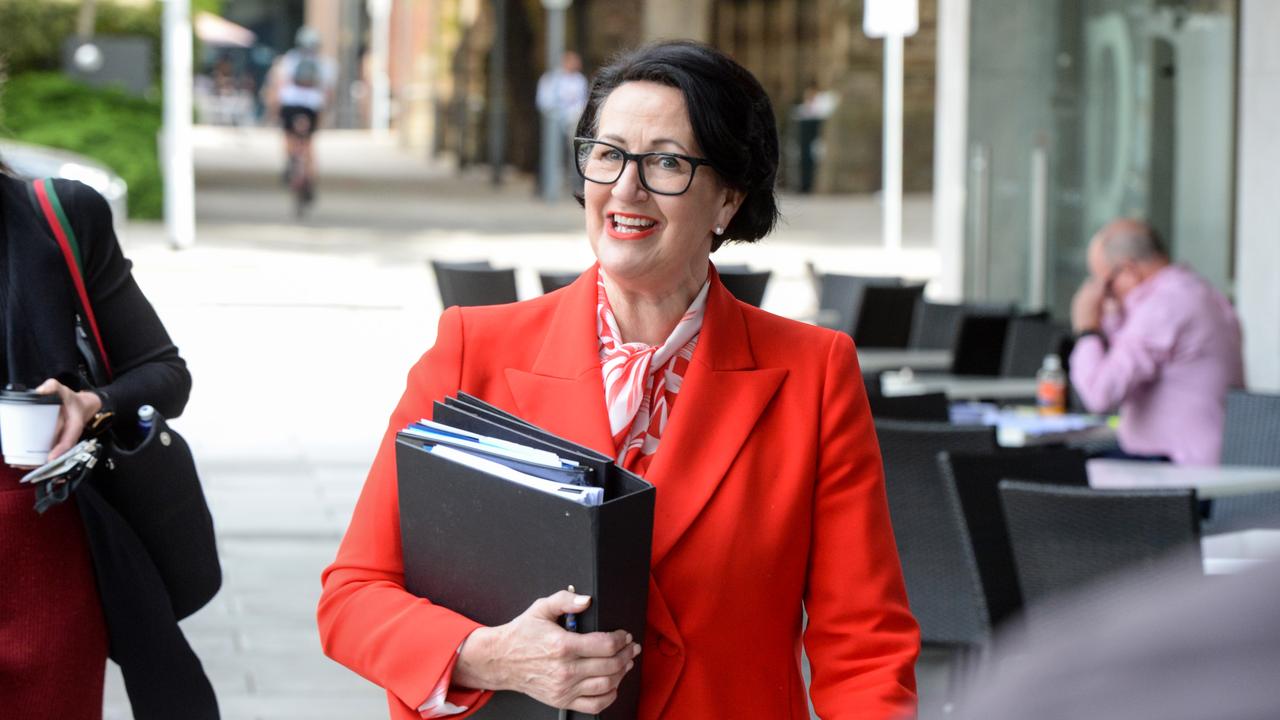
(719, 230)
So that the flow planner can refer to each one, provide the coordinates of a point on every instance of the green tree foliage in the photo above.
(117, 129)
(33, 30)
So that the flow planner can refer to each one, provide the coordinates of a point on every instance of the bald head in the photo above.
(1126, 252)
(1129, 239)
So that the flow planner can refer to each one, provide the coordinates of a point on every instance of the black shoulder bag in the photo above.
(149, 529)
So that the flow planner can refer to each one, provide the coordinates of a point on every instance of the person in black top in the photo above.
(53, 639)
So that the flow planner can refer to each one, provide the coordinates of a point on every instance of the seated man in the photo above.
(1158, 341)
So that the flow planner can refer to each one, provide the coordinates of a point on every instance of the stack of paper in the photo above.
(541, 470)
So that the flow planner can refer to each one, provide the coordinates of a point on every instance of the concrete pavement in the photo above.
(299, 336)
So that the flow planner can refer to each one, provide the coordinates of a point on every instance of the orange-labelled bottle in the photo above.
(1051, 387)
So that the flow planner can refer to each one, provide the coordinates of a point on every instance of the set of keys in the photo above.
(55, 480)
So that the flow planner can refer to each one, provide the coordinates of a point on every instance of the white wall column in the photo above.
(950, 137)
(1258, 193)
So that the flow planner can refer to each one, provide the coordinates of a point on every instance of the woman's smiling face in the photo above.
(650, 242)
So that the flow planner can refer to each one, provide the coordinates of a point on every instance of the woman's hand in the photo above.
(78, 408)
(533, 655)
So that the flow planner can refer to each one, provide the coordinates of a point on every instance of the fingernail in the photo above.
(628, 638)
(637, 651)
(630, 665)
(581, 599)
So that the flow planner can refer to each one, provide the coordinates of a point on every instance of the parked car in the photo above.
(35, 161)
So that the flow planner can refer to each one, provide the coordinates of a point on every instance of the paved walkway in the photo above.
(299, 336)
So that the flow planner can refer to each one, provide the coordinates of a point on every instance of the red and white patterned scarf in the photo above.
(641, 381)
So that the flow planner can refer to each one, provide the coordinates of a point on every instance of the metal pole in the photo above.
(86, 19)
(380, 82)
(892, 165)
(980, 215)
(552, 142)
(1038, 238)
(346, 113)
(179, 168)
(498, 92)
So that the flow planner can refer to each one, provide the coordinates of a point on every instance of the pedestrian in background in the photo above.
(1157, 341)
(562, 95)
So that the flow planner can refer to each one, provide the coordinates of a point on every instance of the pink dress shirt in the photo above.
(1169, 358)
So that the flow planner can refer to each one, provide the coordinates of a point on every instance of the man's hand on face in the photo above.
(1086, 306)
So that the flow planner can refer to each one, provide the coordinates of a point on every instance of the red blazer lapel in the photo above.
(720, 400)
(563, 392)
(723, 391)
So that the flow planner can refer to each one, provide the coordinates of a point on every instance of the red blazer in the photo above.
(770, 499)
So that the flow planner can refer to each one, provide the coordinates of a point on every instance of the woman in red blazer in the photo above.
(754, 429)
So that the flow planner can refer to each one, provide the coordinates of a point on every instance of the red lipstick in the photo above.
(628, 226)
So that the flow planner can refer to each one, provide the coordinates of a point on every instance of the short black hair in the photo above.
(731, 116)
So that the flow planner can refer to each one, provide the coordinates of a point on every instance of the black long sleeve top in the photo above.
(38, 305)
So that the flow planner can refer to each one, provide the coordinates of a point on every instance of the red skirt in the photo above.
(53, 640)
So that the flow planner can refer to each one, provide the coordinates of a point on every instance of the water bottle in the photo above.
(1051, 387)
(146, 419)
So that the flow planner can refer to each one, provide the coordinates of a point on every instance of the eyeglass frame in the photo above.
(696, 162)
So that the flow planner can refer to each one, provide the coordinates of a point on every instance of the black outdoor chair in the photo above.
(1065, 538)
(746, 285)
(1250, 436)
(552, 281)
(979, 348)
(840, 296)
(885, 315)
(469, 284)
(871, 382)
(1251, 433)
(1029, 340)
(943, 584)
(928, 407)
(975, 478)
(936, 325)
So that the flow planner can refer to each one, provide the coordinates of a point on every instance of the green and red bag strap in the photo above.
(47, 199)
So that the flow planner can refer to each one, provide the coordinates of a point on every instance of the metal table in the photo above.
(958, 387)
(873, 360)
(1239, 551)
(1208, 481)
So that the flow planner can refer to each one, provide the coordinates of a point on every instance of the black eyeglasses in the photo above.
(660, 172)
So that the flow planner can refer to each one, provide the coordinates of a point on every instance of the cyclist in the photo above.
(303, 88)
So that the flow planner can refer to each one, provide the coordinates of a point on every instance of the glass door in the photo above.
(1082, 111)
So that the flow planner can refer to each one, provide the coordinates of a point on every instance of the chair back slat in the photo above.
(943, 585)
(552, 281)
(885, 315)
(474, 283)
(1250, 436)
(975, 478)
(1065, 538)
(841, 295)
(746, 285)
(926, 407)
(1029, 340)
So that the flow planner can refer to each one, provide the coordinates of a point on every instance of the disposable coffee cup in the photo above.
(28, 423)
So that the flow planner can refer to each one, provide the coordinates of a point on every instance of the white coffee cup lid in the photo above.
(28, 397)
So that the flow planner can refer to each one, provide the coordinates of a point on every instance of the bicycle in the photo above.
(298, 170)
